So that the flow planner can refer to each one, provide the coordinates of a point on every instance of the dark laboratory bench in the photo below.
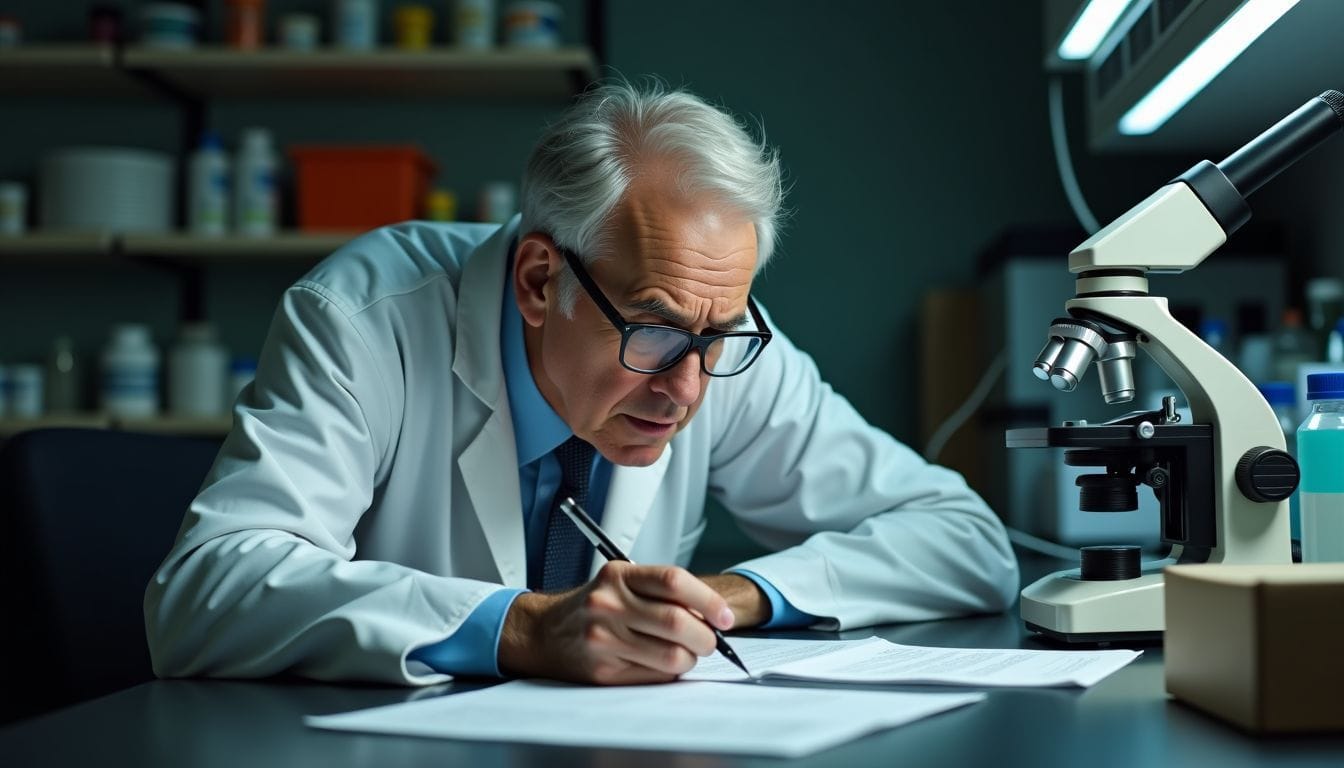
(1125, 720)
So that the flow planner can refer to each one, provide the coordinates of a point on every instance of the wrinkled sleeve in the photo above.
(866, 531)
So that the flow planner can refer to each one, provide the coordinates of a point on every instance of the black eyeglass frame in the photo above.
(700, 341)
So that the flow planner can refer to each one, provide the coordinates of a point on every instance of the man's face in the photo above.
(676, 262)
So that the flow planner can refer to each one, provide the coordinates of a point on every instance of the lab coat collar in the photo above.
(476, 343)
(489, 462)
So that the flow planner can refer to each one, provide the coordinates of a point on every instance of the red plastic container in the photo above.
(346, 187)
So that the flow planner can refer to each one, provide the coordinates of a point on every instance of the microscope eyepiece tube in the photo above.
(1046, 360)
(1262, 158)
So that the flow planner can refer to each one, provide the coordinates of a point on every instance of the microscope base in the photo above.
(1065, 607)
(1097, 638)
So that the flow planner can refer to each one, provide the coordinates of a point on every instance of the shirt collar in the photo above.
(537, 428)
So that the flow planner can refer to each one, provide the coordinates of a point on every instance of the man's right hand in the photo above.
(630, 624)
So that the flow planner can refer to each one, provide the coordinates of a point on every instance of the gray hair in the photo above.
(584, 162)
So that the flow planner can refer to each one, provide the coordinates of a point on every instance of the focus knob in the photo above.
(1110, 563)
(1267, 474)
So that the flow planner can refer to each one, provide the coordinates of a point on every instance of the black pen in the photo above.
(594, 533)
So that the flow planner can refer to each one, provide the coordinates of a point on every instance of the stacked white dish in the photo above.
(106, 189)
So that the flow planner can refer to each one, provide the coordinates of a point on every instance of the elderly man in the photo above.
(386, 507)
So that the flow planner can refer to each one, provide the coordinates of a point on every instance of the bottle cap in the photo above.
(1278, 392)
(1325, 386)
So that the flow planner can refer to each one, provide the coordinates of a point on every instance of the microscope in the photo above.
(1223, 480)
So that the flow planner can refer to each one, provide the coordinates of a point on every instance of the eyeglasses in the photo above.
(650, 348)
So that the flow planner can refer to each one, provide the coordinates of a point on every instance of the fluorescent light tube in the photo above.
(1202, 65)
(1090, 28)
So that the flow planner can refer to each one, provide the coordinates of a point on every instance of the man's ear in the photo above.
(534, 265)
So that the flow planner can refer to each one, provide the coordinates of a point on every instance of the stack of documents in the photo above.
(875, 660)
(699, 715)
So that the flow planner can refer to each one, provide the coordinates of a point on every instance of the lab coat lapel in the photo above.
(629, 499)
(490, 471)
(489, 464)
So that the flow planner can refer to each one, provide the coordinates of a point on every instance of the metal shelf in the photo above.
(66, 70)
(168, 425)
(190, 249)
(213, 72)
(47, 247)
(40, 247)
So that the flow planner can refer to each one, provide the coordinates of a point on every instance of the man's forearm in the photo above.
(749, 604)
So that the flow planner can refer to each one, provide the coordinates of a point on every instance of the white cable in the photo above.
(1064, 161)
(952, 423)
(938, 440)
(1044, 546)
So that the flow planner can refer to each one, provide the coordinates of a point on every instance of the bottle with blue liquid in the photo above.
(1320, 453)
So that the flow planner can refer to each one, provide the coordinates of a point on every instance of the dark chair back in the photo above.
(86, 516)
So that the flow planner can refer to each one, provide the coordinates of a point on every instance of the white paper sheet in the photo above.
(682, 717)
(875, 660)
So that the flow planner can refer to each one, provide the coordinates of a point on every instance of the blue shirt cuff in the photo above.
(782, 612)
(474, 648)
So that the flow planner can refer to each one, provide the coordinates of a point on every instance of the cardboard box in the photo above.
(1259, 645)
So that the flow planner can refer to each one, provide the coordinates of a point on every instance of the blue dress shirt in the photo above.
(538, 430)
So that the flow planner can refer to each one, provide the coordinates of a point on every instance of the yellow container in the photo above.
(414, 26)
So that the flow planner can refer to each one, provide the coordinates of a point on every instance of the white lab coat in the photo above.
(367, 498)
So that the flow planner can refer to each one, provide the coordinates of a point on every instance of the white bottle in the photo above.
(255, 201)
(208, 195)
(197, 369)
(130, 381)
(355, 25)
(25, 391)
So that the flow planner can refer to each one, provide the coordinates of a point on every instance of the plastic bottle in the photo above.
(25, 391)
(1334, 344)
(441, 205)
(197, 369)
(355, 25)
(473, 24)
(414, 25)
(208, 210)
(254, 184)
(1293, 345)
(247, 23)
(130, 383)
(1320, 452)
(62, 377)
(13, 208)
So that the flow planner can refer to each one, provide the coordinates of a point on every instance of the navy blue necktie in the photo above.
(568, 554)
